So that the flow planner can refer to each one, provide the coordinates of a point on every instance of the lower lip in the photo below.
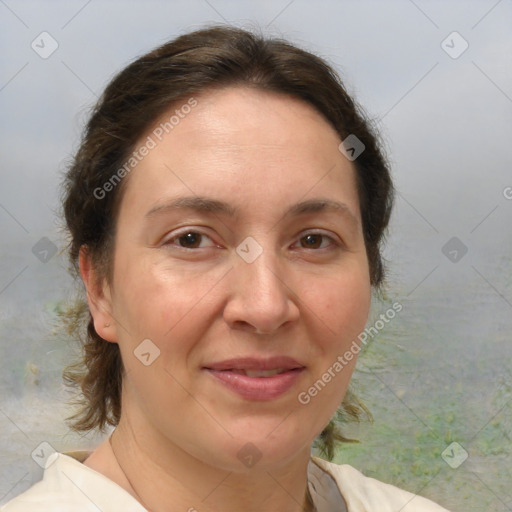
(257, 388)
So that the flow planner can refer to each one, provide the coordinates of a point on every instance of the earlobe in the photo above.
(98, 297)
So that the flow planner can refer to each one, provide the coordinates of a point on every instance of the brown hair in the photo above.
(199, 61)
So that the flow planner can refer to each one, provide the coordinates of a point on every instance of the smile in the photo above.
(257, 379)
(259, 373)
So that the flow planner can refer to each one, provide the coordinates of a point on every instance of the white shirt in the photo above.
(69, 486)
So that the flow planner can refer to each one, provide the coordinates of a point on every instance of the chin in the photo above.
(260, 446)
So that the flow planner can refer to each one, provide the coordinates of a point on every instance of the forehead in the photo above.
(238, 143)
(240, 119)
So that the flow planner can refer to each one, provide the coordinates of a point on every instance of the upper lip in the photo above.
(256, 363)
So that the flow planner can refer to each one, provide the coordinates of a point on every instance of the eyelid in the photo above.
(335, 240)
(183, 231)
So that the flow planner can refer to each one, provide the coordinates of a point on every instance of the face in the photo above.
(240, 259)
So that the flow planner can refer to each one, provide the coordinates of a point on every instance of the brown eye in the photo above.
(315, 241)
(190, 240)
(311, 241)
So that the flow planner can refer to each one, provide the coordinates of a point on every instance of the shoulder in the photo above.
(365, 494)
(69, 486)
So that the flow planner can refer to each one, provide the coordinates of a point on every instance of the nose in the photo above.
(260, 299)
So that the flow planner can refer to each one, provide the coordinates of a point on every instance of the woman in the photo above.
(226, 209)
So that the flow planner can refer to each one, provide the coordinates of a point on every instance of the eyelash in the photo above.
(169, 242)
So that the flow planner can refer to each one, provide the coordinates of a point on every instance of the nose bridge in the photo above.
(259, 273)
(259, 297)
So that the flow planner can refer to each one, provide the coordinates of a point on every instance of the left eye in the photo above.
(315, 241)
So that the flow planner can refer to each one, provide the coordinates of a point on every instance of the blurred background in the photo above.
(437, 79)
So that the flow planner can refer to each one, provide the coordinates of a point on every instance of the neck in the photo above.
(157, 474)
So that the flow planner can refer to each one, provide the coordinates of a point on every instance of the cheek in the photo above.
(342, 305)
(172, 309)
(340, 310)
(154, 297)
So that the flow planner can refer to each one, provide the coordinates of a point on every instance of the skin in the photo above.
(181, 429)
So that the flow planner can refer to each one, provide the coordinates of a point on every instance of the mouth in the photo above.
(258, 373)
(255, 378)
(277, 364)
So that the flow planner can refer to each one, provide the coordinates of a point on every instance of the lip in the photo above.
(256, 363)
(257, 388)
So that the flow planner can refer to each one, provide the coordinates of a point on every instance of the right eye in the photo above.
(189, 240)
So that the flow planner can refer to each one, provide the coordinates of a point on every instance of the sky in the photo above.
(447, 121)
(435, 76)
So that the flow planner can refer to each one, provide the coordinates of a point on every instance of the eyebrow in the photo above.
(196, 203)
(208, 205)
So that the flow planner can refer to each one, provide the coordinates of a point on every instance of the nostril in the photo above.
(243, 325)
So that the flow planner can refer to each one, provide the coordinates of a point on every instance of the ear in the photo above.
(98, 297)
